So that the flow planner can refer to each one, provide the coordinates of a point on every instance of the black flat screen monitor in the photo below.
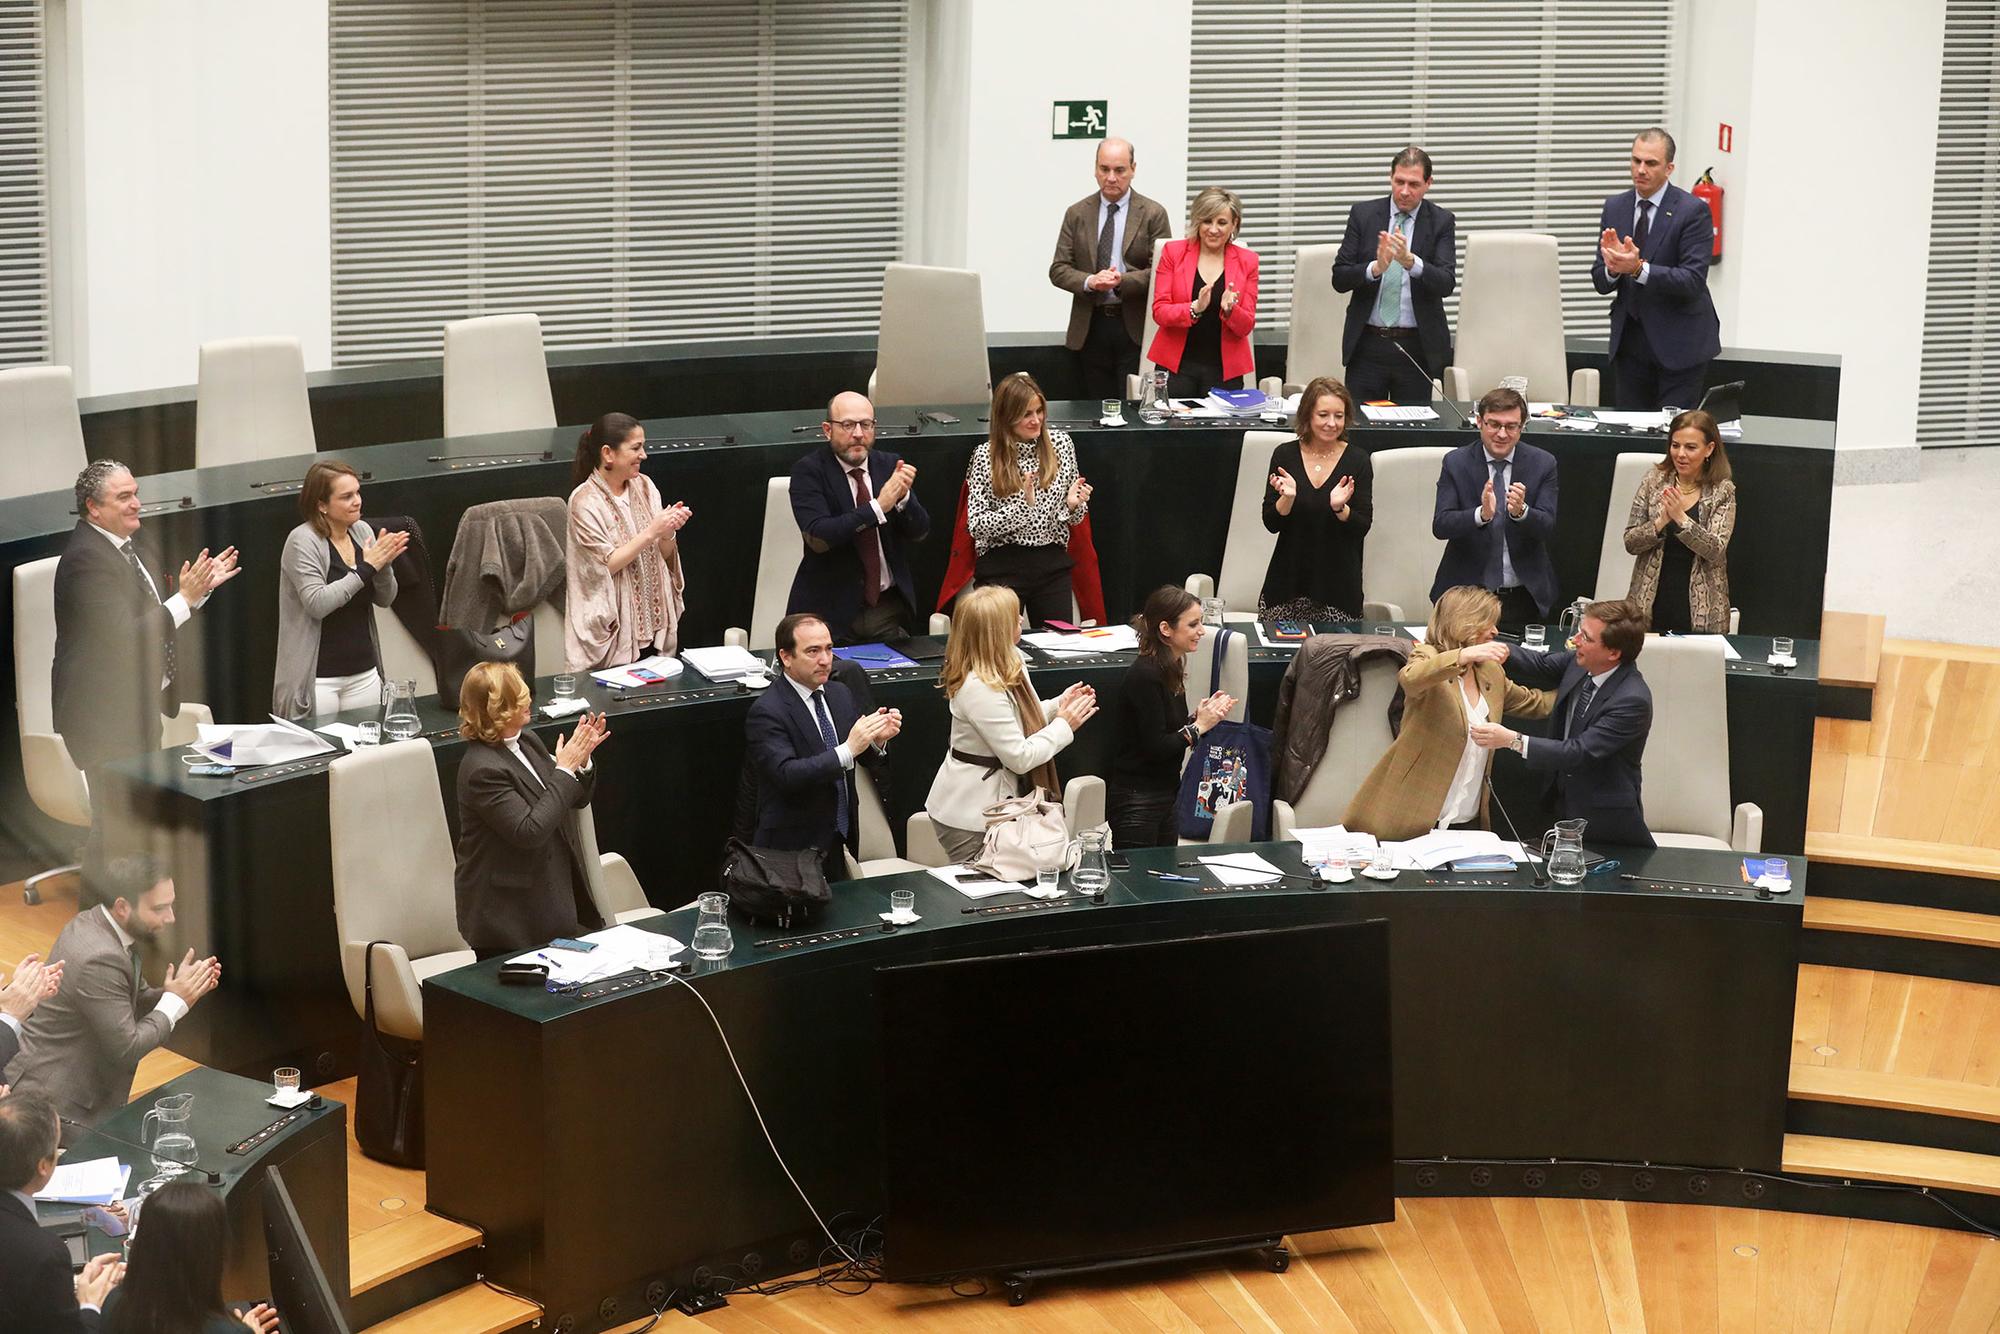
(299, 1289)
(1121, 1101)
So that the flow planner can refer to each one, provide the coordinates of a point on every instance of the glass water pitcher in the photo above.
(399, 710)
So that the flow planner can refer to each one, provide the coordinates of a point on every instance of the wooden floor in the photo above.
(1920, 781)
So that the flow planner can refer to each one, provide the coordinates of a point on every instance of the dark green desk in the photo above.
(311, 1151)
(604, 1144)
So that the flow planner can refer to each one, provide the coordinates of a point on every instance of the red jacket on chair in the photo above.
(1085, 579)
(1173, 293)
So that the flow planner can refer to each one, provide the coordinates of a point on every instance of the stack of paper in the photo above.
(660, 664)
(973, 884)
(97, 1181)
(1390, 412)
(1236, 401)
(620, 949)
(1635, 421)
(1317, 846)
(276, 742)
(1441, 847)
(1242, 868)
(1083, 643)
(726, 662)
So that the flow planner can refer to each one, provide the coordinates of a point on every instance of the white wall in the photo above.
(197, 197)
(1719, 76)
(1012, 182)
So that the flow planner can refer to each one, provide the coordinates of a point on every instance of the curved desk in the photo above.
(604, 1143)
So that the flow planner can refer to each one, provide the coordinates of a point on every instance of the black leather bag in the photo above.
(389, 1092)
(774, 885)
(458, 650)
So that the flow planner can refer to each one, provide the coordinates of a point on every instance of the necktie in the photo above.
(1389, 301)
(868, 542)
(138, 984)
(1645, 227)
(132, 559)
(1580, 710)
(1107, 235)
(825, 721)
(1496, 553)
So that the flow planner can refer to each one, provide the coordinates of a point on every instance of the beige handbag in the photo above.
(1024, 835)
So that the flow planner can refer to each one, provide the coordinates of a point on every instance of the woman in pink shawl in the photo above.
(625, 581)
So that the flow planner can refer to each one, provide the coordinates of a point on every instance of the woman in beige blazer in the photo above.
(1679, 527)
(1433, 776)
(1004, 740)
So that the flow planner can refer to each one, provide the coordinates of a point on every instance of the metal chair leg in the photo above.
(31, 895)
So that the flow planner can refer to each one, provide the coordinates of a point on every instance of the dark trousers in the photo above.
(1517, 608)
(1039, 576)
(1107, 356)
(1379, 370)
(1640, 383)
(1141, 819)
(1194, 379)
(888, 621)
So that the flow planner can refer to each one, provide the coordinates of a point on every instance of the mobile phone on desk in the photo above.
(1118, 861)
(1064, 626)
(941, 418)
(1290, 630)
(647, 676)
(211, 770)
(565, 943)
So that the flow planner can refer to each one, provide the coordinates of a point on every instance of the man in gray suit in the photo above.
(1104, 258)
(33, 981)
(80, 1048)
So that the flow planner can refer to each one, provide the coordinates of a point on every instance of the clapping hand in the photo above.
(671, 520)
(1621, 257)
(100, 1274)
(384, 549)
(897, 487)
(1104, 280)
(872, 729)
(1079, 494)
(1399, 250)
(1201, 302)
(205, 573)
(1385, 253)
(33, 982)
(1213, 710)
(262, 1318)
(1486, 502)
(1285, 485)
(1343, 491)
(574, 750)
(1673, 504)
(1517, 499)
(193, 978)
(1077, 705)
(1230, 298)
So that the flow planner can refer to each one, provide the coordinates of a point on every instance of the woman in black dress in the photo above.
(1154, 725)
(1320, 501)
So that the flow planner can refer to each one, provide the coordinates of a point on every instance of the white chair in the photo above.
(1083, 808)
(1136, 385)
(1355, 740)
(1319, 319)
(614, 885)
(250, 402)
(550, 655)
(1510, 321)
(1687, 763)
(403, 658)
(932, 344)
(777, 565)
(1247, 545)
(41, 433)
(1614, 563)
(496, 376)
(878, 844)
(55, 783)
(1402, 554)
(397, 890)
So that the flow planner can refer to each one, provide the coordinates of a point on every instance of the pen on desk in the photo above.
(1179, 879)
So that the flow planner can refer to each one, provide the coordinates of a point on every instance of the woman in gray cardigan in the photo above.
(328, 656)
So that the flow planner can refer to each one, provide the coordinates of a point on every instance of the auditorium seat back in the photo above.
(1235, 671)
(1614, 563)
(1319, 319)
(1686, 781)
(41, 433)
(1355, 739)
(54, 782)
(1510, 321)
(1402, 556)
(496, 376)
(250, 402)
(932, 345)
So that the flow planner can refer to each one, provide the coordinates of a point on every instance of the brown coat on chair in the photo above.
(1405, 791)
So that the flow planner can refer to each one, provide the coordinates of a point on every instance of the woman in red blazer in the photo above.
(1205, 300)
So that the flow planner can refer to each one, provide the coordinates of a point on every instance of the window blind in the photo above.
(1526, 110)
(1962, 296)
(25, 321)
(632, 171)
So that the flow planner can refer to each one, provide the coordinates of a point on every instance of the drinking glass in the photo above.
(285, 1080)
(1536, 637)
(368, 734)
(1046, 880)
(1781, 647)
(565, 683)
(1113, 408)
(902, 905)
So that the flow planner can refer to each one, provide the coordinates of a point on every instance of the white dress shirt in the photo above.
(1461, 799)
(806, 694)
(170, 1005)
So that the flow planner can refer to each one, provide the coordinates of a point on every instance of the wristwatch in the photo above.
(1520, 746)
(1190, 733)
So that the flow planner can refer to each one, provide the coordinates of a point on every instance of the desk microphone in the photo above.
(213, 1178)
(1463, 419)
(1534, 862)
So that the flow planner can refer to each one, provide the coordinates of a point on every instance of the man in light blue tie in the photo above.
(1398, 263)
(804, 733)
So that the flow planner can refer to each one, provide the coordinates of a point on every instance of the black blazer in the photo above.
(110, 653)
(1434, 240)
(37, 1291)
(519, 880)
(829, 581)
(1461, 481)
(1595, 775)
(797, 774)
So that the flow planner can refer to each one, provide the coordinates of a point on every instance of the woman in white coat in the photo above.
(1004, 740)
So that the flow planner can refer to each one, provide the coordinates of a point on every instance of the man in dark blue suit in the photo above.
(1397, 260)
(806, 795)
(1652, 253)
(855, 509)
(1496, 509)
(1603, 714)
(37, 1291)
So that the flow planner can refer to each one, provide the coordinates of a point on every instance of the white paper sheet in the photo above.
(93, 1181)
(1397, 413)
(1096, 639)
(1643, 421)
(972, 883)
(1242, 868)
(1440, 847)
(724, 662)
(1322, 844)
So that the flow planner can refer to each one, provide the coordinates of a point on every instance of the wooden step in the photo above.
(1850, 648)
(1936, 925)
(1905, 854)
(475, 1309)
(1871, 1160)
(397, 1248)
(1899, 1093)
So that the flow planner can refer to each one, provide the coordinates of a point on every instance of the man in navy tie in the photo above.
(1653, 249)
(805, 769)
(1598, 730)
(857, 513)
(1496, 510)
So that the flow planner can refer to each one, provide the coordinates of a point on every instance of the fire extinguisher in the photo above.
(1710, 193)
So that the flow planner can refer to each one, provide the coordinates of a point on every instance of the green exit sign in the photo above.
(1079, 120)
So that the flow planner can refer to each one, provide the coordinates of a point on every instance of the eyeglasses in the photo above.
(1501, 428)
(863, 425)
